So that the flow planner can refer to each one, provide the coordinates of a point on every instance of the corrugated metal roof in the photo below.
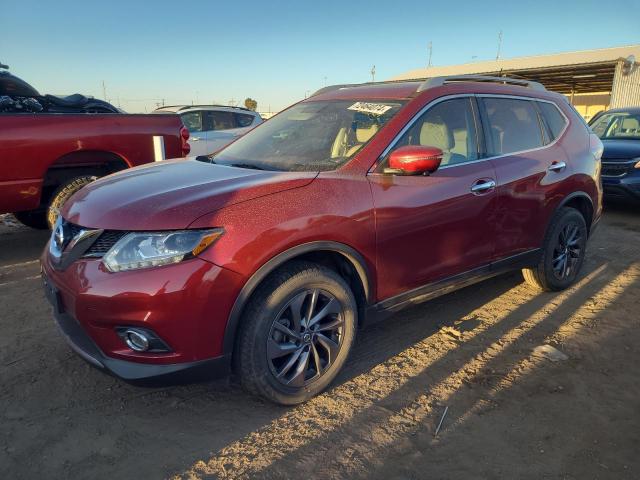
(603, 55)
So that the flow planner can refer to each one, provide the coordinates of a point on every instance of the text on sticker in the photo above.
(372, 108)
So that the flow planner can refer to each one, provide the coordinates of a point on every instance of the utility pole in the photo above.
(373, 73)
(430, 48)
(499, 45)
(104, 91)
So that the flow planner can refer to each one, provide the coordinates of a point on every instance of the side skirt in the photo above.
(385, 308)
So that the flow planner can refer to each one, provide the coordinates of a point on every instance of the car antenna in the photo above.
(2, 65)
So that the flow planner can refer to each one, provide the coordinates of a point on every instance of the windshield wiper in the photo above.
(244, 165)
(208, 159)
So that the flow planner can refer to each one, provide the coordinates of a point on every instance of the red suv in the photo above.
(346, 207)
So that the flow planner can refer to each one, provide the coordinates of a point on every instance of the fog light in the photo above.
(136, 340)
(141, 339)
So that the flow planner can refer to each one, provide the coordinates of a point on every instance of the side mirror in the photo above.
(414, 160)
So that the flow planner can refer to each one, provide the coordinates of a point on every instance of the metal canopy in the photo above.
(585, 71)
(589, 78)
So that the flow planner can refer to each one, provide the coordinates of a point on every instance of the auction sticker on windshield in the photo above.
(372, 108)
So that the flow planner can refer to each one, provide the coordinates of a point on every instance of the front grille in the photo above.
(616, 169)
(105, 241)
(74, 230)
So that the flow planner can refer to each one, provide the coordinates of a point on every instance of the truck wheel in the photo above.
(296, 333)
(33, 218)
(62, 194)
(563, 252)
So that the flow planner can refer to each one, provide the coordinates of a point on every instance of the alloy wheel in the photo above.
(305, 338)
(567, 251)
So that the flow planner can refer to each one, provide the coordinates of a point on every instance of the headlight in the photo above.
(152, 249)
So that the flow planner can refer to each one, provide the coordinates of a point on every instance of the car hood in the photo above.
(172, 194)
(621, 149)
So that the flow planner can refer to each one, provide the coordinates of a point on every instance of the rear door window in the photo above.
(220, 120)
(554, 119)
(513, 126)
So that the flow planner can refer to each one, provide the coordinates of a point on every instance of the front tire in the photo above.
(563, 252)
(296, 333)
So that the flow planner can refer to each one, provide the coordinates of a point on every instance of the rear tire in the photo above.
(286, 354)
(62, 194)
(563, 252)
(33, 218)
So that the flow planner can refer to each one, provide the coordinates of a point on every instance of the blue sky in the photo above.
(276, 51)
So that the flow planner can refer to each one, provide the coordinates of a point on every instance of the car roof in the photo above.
(382, 90)
(404, 90)
(189, 108)
(634, 110)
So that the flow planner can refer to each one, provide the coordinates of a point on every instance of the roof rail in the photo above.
(439, 81)
(185, 107)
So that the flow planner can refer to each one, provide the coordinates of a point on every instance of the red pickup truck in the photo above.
(46, 157)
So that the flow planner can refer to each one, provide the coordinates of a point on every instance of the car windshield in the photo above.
(310, 136)
(618, 125)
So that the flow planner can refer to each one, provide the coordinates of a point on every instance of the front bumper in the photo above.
(186, 304)
(84, 346)
(626, 187)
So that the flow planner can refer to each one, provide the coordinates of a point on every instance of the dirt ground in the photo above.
(509, 413)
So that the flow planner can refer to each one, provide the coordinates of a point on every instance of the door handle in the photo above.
(557, 166)
(483, 186)
(194, 139)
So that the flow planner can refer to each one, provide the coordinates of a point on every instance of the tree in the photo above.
(250, 103)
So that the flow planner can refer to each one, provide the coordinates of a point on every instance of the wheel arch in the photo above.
(87, 159)
(78, 163)
(342, 258)
(582, 202)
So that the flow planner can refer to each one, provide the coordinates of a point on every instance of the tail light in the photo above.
(595, 146)
(184, 136)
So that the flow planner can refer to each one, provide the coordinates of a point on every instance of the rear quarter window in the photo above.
(554, 119)
(244, 119)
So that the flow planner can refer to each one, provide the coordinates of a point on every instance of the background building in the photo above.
(593, 80)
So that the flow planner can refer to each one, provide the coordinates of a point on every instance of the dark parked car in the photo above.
(619, 131)
(346, 207)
